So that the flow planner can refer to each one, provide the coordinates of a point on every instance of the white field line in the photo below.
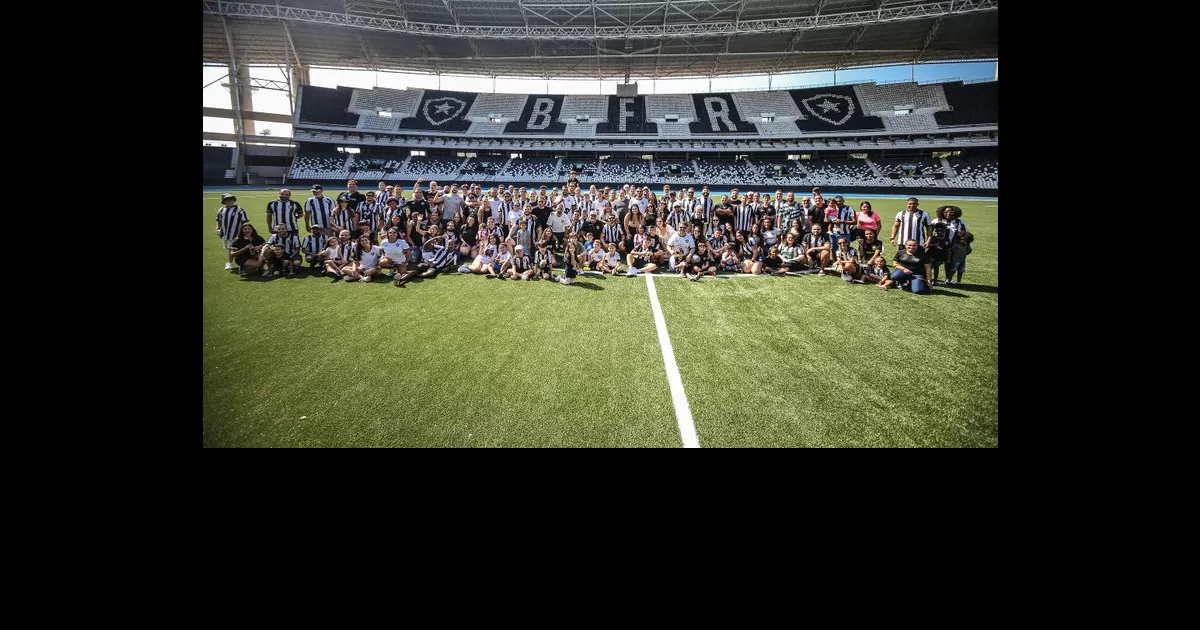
(683, 414)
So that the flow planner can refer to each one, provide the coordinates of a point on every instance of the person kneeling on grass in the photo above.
(846, 262)
(337, 255)
(245, 249)
(877, 271)
(910, 265)
(772, 264)
(790, 256)
(817, 248)
(610, 262)
(364, 260)
(730, 263)
(393, 253)
(543, 261)
(283, 249)
(436, 257)
(639, 259)
(313, 245)
(499, 263)
(520, 266)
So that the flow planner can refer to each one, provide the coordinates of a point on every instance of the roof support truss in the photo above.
(707, 28)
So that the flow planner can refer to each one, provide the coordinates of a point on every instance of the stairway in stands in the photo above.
(947, 169)
(874, 169)
(699, 171)
(504, 169)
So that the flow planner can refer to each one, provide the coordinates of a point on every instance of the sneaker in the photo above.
(291, 273)
(399, 283)
(336, 278)
(229, 266)
(489, 276)
(464, 269)
(631, 273)
(847, 277)
(365, 279)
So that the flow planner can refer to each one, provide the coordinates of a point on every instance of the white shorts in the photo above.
(228, 242)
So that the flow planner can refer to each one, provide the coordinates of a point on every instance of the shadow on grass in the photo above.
(977, 288)
(588, 285)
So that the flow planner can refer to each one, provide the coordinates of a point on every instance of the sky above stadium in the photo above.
(275, 102)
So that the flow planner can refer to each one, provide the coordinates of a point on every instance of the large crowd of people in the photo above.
(539, 234)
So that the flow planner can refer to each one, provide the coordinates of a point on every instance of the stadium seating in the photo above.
(596, 107)
(325, 106)
(840, 173)
(217, 161)
(975, 173)
(315, 165)
(434, 168)
(506, 106)
(973, 104)
(731, 173)
(754, 104)
(531, 170)
(912, 123)
(371, 121)
(882, 98)
(663, 175)
(402, 103)
(660, 105)
(624, 170)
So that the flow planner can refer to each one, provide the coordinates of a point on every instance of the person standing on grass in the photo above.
(230, 219)
(571, 261)
(912, 223)
(285, 211)
(909, 265)
(452, 205)
(949, 216)
(352, 195)
(371, 211)
(245, 249)
(936, 249)
(318, 211)
(957, 259)
(385, 193)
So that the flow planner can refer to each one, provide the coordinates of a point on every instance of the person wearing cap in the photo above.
(520, 267)
(285, 211)
(318, 209)
(230, 219)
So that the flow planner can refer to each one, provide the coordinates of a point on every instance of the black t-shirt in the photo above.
(914, 262)
(595, 227)
(355, 199)
(868, 250)
(241, 242)
(468, 234)
(655, 242)
(421, 206)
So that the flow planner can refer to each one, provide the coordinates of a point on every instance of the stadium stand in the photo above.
(325, 106)
(659, 106)
(833, 108)
(530, 170)
(401, 103)
(755, 104)
(840, 173)
(216, 163)
(319, 166)
(429, 168)
(686, 172)
(594, 107)
(882, 98)
(912, 123)
(732, 173)
(624, 170)
(506, 106)
(973, 104)
(975, 173)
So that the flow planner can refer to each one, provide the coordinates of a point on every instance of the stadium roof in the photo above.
(599, 38)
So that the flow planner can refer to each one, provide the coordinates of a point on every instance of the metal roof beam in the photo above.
(737, 21)
(851, 19)
(928, 38)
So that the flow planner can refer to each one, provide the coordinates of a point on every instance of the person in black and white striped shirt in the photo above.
(743, 217)
(318, 211)
(284, 211)
(912, 223)
(384, 193)
(371, 211)
(439, 258)
(283, 250)
(313, 245)
(230, 219)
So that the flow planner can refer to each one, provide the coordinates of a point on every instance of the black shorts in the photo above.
(638, 263)
(570, 273)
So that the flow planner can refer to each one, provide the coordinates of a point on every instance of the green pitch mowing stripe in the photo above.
(813, 361)
(453, 361)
